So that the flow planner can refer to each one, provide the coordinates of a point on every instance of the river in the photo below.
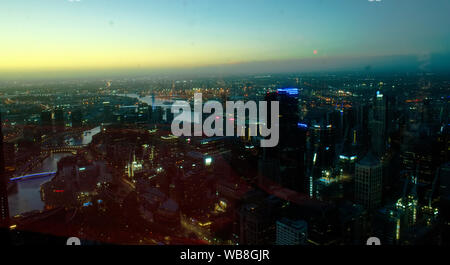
(28, 195)
(166, 104)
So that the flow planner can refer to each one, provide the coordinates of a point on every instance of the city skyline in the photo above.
(359, 156)
(225, 123)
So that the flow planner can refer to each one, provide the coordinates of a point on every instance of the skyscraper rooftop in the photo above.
(369, 160)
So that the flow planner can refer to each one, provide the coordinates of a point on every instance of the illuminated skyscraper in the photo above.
(322, 142)
(377, 125)
(321, 153)
(407, 204)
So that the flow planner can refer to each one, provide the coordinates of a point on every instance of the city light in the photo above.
(236, 123)
(288, 91)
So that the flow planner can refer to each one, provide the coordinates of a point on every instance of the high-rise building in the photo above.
(393, 223)
(142, 113)
(380, 108)
(349, 121)
(347, 161)
(353, 222)
(443, 139)
(258, 219)
(322, 141)
(46, 120)
(368, 181)
(378, 125)
(4, 207)
(444, 180)
(346, 165)
(59, 119)
(321, 153)
(386, 225)
(362, 126)
(291, 232)
(285, 163)
(407, 204)
(77, 118)
(108, 115)
(444, 204)
(421, 157)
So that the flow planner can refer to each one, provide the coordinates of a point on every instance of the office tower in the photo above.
(142, 113)
(380, 108)
(291, 232)
(285, 163)
(257, 219)
(391, 114)
(322, 141)
(346, 165)
(394, 223)
(46, 120)
(349, 121)
(108, 115)
(347, 161)
(4, 207)
(353, 222)
(59, 119)
(376, 136)
(386, 225)
(421, 156)
(348, 155)
(444, 180)
(150, 117)
(153, 101)
(321, 153)
(336, 118)
(362, 126)
(77, 118)
(427, 112)
(443, 140)
(407, 204)
(444, 203)
(368, 181)
(377, 125)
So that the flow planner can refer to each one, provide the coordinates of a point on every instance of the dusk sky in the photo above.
(68, 35)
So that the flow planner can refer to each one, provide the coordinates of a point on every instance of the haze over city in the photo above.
(69, 38)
